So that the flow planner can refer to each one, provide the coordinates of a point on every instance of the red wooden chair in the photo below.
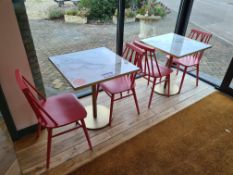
(54, 112)
(123, 84)
(192, 61)
(152, 69)
(145, 65)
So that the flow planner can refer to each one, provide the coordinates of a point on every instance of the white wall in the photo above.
(12, 56)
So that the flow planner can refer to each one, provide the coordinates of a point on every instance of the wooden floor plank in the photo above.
(7, 152)
(71, 151)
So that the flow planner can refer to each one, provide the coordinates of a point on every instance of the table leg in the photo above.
(97, 115)
(169, 61)
(94, 105)
(174, 88)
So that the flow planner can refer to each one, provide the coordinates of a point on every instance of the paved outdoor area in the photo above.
(57, 37)
(213, 15)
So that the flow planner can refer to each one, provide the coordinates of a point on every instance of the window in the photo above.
(215, 17)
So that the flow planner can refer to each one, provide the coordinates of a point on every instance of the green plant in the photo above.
(99, 9)
(142, 10)
(83, 12)
(153, 8)
(128, 3)
(139, 3)
(71, 12)
(55, 12)
(128, 13)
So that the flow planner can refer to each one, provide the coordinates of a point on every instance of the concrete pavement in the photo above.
(212, 15)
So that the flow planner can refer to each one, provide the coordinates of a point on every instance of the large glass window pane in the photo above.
(214, 16)
(152, 17)
(54, 34)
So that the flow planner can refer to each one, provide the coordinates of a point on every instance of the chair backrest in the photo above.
(133, 54)
(151, 52)
(29, 92)
(201, 36)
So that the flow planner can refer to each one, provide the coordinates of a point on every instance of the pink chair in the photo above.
(152, 69)
(192, 61)
(54, 112)
(123, 84)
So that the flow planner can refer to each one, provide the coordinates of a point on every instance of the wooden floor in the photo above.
(71, 150)
(9, 163)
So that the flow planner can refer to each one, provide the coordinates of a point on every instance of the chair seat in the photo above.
(117, 85)
(163, 70)
(187, 61)
(65, 107)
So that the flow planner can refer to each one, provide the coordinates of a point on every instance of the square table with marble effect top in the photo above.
(176, 46)
(88, 68)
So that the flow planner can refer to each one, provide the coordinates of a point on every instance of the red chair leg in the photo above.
(147, 70)
(152, 92)
(86, 133)
(135, 99)
(197, 76)
(111, 110)
(148, 80)
(49, 147)
(182, 80)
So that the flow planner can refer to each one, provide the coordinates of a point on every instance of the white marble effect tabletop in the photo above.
(89, 67)
(175, 45)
